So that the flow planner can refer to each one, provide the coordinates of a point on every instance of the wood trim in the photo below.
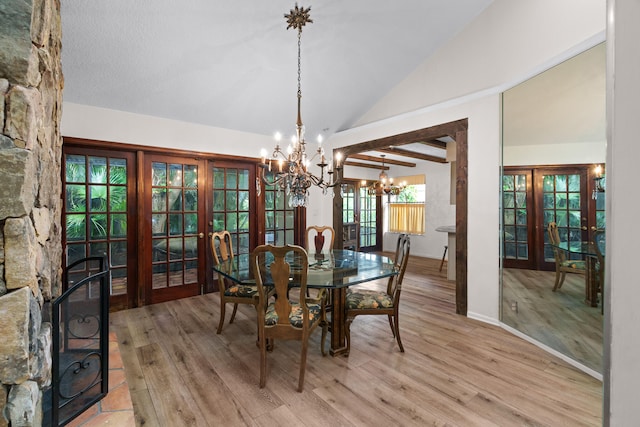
(148, 149)
(413, 154)
(144, 244)
(426, 134)
(462, 175)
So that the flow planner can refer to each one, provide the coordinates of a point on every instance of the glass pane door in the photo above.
(232, 195)
(350, 226)
(563, 201)
(368, 205)
(177, 244)
(98, 215)
(279, 217)
(517, 218)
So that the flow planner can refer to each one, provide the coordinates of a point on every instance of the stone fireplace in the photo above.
(31, 85)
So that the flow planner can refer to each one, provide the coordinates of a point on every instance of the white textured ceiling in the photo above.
(232, 64)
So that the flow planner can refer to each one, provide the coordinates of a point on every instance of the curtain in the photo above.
(406, 218)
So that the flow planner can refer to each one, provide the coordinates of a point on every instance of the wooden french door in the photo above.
(562, 196)
(99, 215)
(174, 228)
(231, 205)
(369, 210)
(532, 197)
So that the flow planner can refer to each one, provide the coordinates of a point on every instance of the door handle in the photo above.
(201, 235)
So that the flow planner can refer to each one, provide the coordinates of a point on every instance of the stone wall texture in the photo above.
(31, 85)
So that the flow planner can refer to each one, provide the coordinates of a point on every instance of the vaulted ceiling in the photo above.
(233, 64)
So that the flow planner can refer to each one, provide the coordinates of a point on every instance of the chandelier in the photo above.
(288, 170)
(384, 185)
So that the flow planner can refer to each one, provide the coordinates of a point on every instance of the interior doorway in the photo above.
(457, 131)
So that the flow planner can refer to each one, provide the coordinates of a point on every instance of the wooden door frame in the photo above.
(457, 130)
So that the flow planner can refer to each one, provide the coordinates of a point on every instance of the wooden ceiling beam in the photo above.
(412, 154)
(365, 165)
(427, 134)
(379, 160)
(434, 143)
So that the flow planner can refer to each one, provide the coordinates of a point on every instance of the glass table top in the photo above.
(332, 269)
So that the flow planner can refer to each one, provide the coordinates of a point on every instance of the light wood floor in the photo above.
(455, 371)
(561, 319)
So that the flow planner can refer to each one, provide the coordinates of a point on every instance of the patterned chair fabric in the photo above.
(295, 317)
(368, 299)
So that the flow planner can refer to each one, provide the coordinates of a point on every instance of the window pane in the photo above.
(118, 253)
(508, 183)
(190, 223)
(117, 171)
(232, 179)
(175, 199)
(98, 226)
(98, 170)
(508, 200)
(118, 199)
(118, 227)
(76, 198)
(158, 174)
(98, 194)
(175, 175)
(191, 176)
(218, 178)
(190, 200)
(75, 168)
(243, 179)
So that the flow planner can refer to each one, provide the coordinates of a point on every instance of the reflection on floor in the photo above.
(561, 319)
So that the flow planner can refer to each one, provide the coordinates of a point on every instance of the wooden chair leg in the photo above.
(233, 314)
(393, 328)
(556, 285)
(222, 314)
(263, 360)
(443, 257)
(325, 326)
(397, 332)
(303, 363)
(347, 333)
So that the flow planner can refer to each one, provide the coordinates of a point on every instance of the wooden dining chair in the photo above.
(281, 317)
(563, 264)
(365, 301)
(319, 237)
(230, 292)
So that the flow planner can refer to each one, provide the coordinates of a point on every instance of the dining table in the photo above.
(588, 250)
(334, 270)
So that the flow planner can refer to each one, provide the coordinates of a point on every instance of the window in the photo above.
(407, 209)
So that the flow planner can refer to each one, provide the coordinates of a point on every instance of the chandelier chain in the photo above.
(299, 64)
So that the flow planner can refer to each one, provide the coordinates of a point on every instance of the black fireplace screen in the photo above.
(80, 340)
